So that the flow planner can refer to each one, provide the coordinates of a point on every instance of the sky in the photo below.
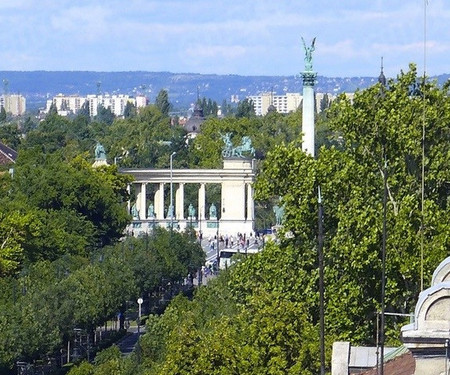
(243, 37)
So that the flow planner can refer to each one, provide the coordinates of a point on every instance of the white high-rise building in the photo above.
(14, 104)
(71, 104)
(286, 103)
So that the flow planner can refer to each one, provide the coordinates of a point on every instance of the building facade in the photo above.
(290, 102)
(71, 104)
(14, 104)
(286, 103)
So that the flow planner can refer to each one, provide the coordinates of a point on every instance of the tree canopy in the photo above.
(262, 314)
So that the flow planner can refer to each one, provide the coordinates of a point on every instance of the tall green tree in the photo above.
(2, 114)
(245, 108)
(162, 102)
(382, 124)
(71, 207)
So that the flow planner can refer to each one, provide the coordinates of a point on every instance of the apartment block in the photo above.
(71, 104)
(290, 102)
(14, 104)
(286, 103)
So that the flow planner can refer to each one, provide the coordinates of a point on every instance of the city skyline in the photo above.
(243, 38)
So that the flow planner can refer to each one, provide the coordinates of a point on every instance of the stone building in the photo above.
(426, 341)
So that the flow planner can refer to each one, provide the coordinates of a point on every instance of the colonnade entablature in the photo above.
(236, 212)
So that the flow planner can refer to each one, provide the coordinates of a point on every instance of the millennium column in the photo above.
(309, 79)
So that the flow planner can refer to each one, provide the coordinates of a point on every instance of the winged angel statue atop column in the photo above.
(308, 54)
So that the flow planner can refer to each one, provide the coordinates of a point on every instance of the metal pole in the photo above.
(217, 239)
(321, 286)
(171, 190)
(383, 268)
(377, 339)
(139, 301)
(447, 344)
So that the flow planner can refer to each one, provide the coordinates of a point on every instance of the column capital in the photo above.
(309, 78)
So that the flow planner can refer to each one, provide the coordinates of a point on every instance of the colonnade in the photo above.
(237, 198)
(240, 204)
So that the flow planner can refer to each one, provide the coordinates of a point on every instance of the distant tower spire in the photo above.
(381, 77)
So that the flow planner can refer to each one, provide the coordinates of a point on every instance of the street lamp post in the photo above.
(321, 285)
(383, 269)
(139, 301)
(218, 252)
(171, 189)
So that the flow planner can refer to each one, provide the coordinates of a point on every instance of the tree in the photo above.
(75, 207)
(104, 115)
(130, 110)
(374, 127)
(245, 108)
(52, 110)
(2, 114)
(162, 102)
(10, 135)
(84, 110)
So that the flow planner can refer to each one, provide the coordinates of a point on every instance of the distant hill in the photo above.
(37, 86)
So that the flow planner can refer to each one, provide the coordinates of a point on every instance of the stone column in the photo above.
(159, 202)
(250, 203)
(137, 191)
(179, 202)
(233, 200)
(129, 193)
(143, 202)
(308, 112)
(201, 201)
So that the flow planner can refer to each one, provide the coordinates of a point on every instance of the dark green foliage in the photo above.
(10, 135)
(162, 102)
(209, 107)
(245, 108)
(104, 115)
(57, 205)
(40, 307)
(261, 316)
(84, 110)
(2, 114)
(130, 110)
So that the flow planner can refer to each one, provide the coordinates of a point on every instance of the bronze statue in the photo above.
(191, 211)
(212, 211)
(308, 54)
(134, 212)
(100, 153)
(151, 211)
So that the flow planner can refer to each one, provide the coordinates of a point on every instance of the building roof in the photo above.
(7, 154)
(194, 123)
(401, 365)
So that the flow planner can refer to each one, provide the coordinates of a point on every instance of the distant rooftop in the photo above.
(7, 154)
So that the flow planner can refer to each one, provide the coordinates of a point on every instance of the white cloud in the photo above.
(235, 37)
(82, 23)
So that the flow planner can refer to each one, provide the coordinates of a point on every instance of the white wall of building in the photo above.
(14, 104)
(288, 102)
(71, 104)
(283, 103)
